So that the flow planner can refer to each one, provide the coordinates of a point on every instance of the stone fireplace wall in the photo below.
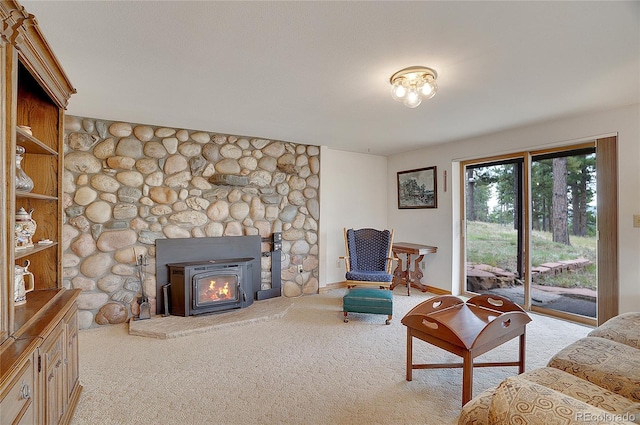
(126, 185)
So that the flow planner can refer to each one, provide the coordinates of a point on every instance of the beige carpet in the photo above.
(304, 367)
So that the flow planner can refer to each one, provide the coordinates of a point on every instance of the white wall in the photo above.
(440, 227)
(352, 195)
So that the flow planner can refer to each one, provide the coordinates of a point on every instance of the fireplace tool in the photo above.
(143, 301)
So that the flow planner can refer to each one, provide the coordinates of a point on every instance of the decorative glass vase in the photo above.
(23, 182)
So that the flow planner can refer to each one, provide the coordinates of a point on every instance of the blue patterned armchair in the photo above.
(368, 258)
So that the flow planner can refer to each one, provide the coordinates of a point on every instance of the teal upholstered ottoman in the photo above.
(368, 300)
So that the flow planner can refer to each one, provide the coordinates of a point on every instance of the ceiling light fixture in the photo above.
(410, 85)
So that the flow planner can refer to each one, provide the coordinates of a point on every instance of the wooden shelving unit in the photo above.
(31, 144)
(38, 340)
(43, 164)
(27, 252)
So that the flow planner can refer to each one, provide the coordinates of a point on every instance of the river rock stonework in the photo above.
(127, 185)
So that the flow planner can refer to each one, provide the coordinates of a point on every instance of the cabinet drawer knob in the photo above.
(25, 391)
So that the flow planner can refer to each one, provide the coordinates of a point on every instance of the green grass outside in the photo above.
(496, 245)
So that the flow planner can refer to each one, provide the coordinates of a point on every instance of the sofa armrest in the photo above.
(517, 400)
(606, 363)
(624, 329)
(476, 411)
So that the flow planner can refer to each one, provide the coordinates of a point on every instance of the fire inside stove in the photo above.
(214, 289)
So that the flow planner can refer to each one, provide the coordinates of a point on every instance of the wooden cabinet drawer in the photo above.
(16, 405)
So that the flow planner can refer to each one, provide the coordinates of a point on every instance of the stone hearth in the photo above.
(176, 326)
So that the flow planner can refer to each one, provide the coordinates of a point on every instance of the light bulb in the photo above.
(413, 99)
(426, 89)
(429, 88)
(399, 89)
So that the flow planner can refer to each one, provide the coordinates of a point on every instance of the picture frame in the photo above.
(418, 188)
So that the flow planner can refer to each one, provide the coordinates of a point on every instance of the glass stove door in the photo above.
(215, 288)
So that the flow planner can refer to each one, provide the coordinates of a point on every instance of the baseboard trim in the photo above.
(331, 286)
(437, 291)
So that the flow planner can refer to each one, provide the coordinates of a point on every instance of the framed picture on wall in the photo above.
(417, 188)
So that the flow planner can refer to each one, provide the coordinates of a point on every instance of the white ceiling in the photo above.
(317, 72)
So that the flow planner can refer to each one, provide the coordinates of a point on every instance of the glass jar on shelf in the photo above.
(23, 181)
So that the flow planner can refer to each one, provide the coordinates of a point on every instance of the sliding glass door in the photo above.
(494, 228)
(530, 230)
(563, 232)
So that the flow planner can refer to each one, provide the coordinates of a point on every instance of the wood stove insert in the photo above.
(210, 286)
(181, 250)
